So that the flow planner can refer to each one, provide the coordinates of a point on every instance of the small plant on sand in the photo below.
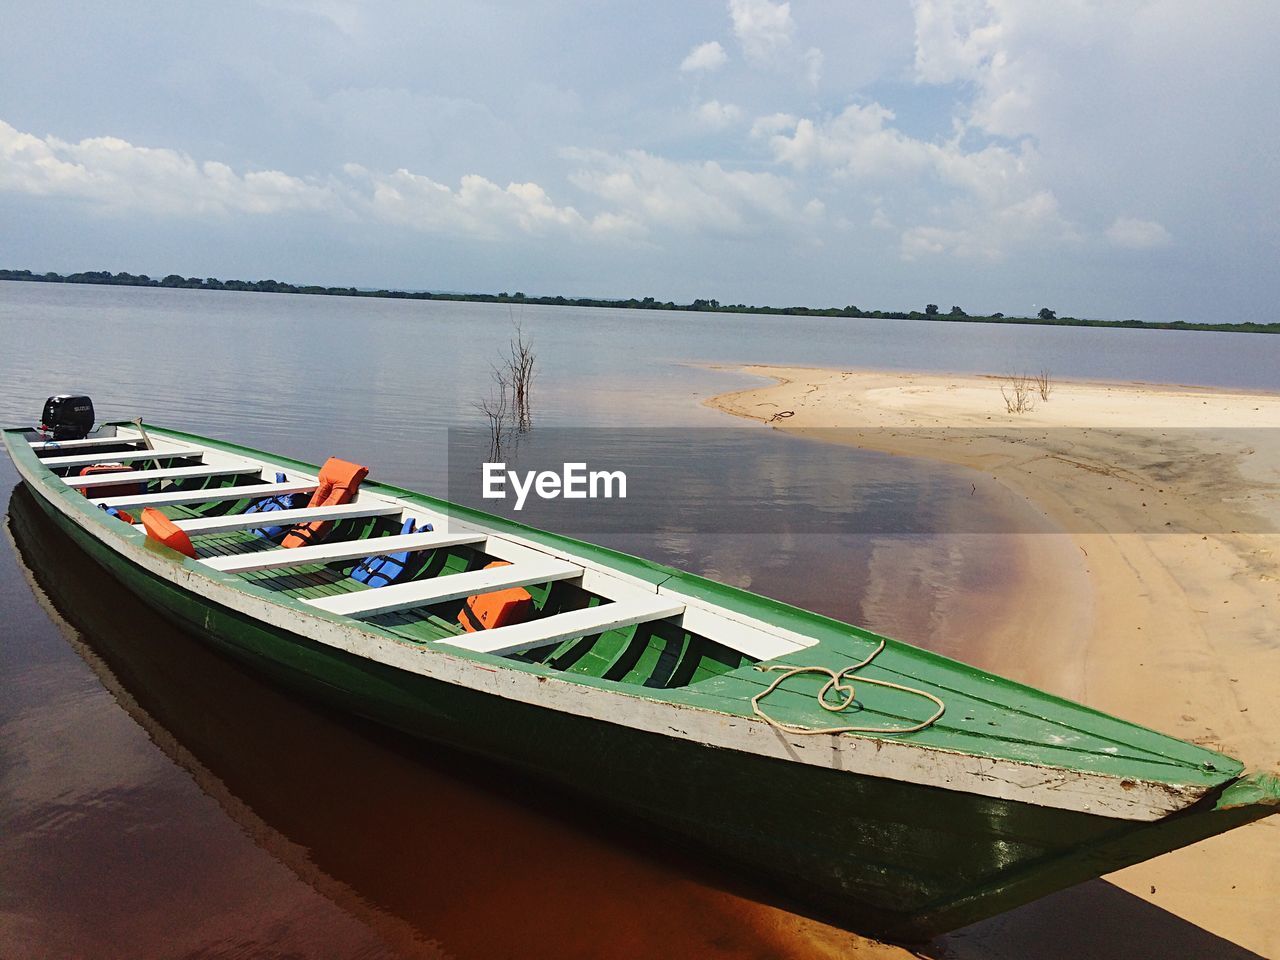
(1018, 391)
(1044, 385)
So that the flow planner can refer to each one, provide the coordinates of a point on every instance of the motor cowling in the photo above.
(68, 416)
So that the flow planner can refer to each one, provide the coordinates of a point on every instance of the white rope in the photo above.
(836, 682)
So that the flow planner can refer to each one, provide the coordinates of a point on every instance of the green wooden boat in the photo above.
(940, 795)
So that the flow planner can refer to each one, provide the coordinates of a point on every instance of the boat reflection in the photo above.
(434, 851)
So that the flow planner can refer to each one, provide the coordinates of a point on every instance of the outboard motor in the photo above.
(67, 416)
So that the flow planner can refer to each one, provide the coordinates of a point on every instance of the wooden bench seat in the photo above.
(282, 518)
(168, 473)
(518, 637)
(453, 586)
(87, 443)
(341, 550)
(249, 491)
(122, 456)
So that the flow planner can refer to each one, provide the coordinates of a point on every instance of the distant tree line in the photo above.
(122, 279)
(931, 311)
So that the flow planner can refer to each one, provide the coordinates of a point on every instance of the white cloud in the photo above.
(1116, 106)
(991, 233)
(649, 191)
(705, 57)
(118, 177)
(856, 142)
(1088, 71)
(717, 115)
(1010, 53)
(477, 208)
(114, 174)
(861, 143)
(766, 33)
(1133, 234)
(954, 38)
(980, 202)
(763, 28)
(639, 191)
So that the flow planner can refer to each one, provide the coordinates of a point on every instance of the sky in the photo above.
(1107, 159)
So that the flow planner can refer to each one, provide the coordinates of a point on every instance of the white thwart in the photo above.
(249, 490)
(281, 518)
(121, 456)
(518, 637)
(86, 443)
(403, 596)
(168, 473)
(763, 644)
(340, 550)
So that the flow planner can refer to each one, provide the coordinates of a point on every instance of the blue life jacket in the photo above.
(380, 571)
(284, 501)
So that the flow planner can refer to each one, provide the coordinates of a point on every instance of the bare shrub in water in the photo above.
(508, 408)
(496, 408)
(519, 370)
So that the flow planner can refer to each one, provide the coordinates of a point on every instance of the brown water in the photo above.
(157, 802)
(172, 805)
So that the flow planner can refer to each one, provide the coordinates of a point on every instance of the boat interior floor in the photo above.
(655, 653)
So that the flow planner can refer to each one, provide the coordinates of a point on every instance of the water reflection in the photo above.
(698, 480)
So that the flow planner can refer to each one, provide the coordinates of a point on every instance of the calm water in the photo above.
(156, 802)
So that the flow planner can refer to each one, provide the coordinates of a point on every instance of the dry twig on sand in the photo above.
(1017, 390)
(1044, 385)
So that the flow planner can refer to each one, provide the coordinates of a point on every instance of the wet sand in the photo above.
(1157, 600)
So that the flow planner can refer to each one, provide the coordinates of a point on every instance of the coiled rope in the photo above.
(837, 682)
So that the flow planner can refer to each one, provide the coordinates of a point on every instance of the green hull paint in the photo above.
(1020, 728)
(881, 856)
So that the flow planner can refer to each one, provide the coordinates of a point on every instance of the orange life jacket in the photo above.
(163, 530)
(109, 489)
(486, 611)
(339, 482)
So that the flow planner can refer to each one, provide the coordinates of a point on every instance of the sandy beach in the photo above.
(1157, 600)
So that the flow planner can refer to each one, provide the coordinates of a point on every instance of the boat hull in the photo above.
(892, 859)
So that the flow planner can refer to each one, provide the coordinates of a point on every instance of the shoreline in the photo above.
(175, 281)
(1172, 630)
